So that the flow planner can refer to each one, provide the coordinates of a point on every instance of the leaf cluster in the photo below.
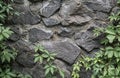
(7, 54)
(43, 55)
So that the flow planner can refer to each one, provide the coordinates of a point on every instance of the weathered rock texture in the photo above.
(61, 26)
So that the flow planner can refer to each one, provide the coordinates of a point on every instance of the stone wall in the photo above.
(61, 26)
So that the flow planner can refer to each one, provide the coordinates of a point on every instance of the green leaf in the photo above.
(113, 17)
(61, 73)
(7, 55)
(52, 70)
(1, 37)
(45, 56)
(12, 74)
(118, 37)
(47, 71)
(5, 35)
(110, 31)
(116, 54)
(110, 38)
(110, 54)
(39, 58)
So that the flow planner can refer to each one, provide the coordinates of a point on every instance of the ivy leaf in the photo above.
(1, 37)
(61, 73)
(116, 54)
(110, 38)
(45, 55)
(110, 54)
(110, 31)
(5, 35)
(118, 38)
(38, 59)
(52, 70)
(47, 71)
(113, 17)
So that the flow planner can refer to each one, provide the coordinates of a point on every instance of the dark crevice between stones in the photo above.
(64, 61)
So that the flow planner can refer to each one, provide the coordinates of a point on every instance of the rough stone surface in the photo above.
(25, 59)
(86, 75)
(113, 3)
(65, 49)
(61, 26)
(26, 18)
(50, 8)
(22, 46)
(35, 7)
(99, 5)
(63, 67)
(65, 32)
(20, 8)
(78, 20)
(16, 35)
(101, 16)
(85, 40)
(19, 1)
(35, 0)
(38, 71)
(69, 7)
(52, 21)
(39, 34)
(115, 10)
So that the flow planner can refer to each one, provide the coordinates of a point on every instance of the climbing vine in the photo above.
(106, 63)
(44, 56)
(7, 54)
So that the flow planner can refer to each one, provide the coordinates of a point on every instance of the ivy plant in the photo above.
(7, 54)
(106, 62)
(44, 56)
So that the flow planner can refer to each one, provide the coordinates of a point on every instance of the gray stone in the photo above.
(20, 8)
(35, 0)
(52, 21)
(115, 10)
(76, 20)
(25, 15)
(61, 65)
(26, 60)
(70, 15)
(98, 5)
(113, 3)
(50, 8)
(65, 32)
(66, 50)
(85, 40)
(85, 74)
(38, 71)
(39, 34)
(26, 18)
(84, 10)
(101, 24)
(67, 9)
(22, 46)
(36, 7)
(19, 1)
(21, 69)
(17, 67)
(79, 20)
(101, 16)
(16, 34)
